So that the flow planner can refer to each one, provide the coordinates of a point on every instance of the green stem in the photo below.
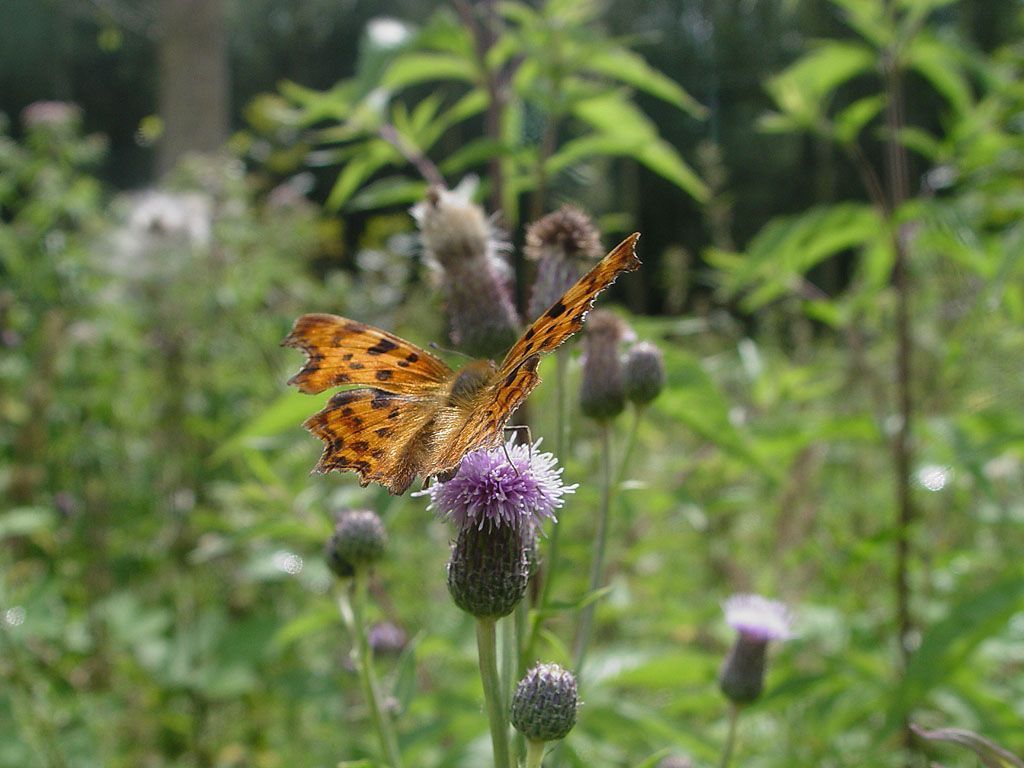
(353, 611)
(509, 659)
(730, 738)
(634, 429)
(551, 567)
(534, 754)
(600, 547)
(486, 644)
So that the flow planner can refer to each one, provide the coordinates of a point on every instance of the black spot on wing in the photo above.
(557, 310)
(383, 375)
(381, 347)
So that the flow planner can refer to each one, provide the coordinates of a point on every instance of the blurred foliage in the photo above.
(162, 596)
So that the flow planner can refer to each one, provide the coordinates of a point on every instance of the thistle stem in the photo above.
(534, 754)
(600, 547)
(730, 738)
(509, 658)
(634, 429)
(353, 612)
(486, 644)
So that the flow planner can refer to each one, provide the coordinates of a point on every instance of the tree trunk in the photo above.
(194, 90)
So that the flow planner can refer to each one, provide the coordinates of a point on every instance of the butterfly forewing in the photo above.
(340, 351)
(565, 317)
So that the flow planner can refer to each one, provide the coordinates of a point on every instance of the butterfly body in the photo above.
(408, 412)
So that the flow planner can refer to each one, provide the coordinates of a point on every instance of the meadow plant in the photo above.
(544, 708)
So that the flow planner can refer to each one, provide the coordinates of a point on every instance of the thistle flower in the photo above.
(758, 621)
(386, 639)
(602, 389)
(545, 702)
(563, 244)
(458, 238)
(359, 540)
(489, 492)
(674, 761)
(488, 571)
(643, 373)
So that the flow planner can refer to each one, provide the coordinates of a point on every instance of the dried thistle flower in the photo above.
(564, 244)
(462, 242)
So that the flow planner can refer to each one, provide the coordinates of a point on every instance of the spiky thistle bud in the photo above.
(643, 373)
(545, 702)
(359, 540)
(459, 239)
(602, 388)
(564, 244)
(757, 621)
(488, 571)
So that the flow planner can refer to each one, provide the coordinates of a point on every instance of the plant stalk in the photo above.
(730, 737)
(486, 644)
(534, 754)
(353, 611)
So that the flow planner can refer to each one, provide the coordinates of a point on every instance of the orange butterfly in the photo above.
(417, 416)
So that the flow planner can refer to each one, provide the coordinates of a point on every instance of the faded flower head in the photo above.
(463, 243)
(602, 387)
(758, 620)
(563, 244)
(489, 492)
(758, 617)
(545, 702)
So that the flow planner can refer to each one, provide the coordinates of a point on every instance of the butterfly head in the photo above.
(470, 379)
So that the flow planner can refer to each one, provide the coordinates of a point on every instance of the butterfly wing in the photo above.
(565, 317)
(340, 351)
(375, 433)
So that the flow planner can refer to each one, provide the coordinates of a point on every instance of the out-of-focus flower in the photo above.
(386, 639)
(674, 761)
(564, 244)
(488, 571)
(51, 115)
(489, 492)
(757, 621)
(643, 373)
(359, 540)
(459, 238)
(602, 388)
(545, 702)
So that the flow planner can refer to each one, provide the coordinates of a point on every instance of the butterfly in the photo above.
(409, 413)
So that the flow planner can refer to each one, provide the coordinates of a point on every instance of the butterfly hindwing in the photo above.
(340, 351)
(374, 433)
(565, 317)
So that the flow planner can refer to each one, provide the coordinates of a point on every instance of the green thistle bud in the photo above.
(488, 571)
(359, 540)
(564, 244)
(545, 703)
(602, 389)
(644, 373)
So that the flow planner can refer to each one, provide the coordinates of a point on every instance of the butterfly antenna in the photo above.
(439, 348)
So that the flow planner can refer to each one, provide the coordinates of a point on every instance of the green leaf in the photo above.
(387, 192)
(283, 415)
(990, 753)
(851, 121)
(803, 90)
(627, 67)
(949, 643)
(939, 63)
(26, 521)
(313, 622)
(375, 154)
(416, 67)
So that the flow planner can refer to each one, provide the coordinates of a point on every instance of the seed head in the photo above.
(564, 244)
(545, 703)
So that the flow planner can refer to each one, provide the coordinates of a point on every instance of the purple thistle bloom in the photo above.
(758, 618)
(488, 491)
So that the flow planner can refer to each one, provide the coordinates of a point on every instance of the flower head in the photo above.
(359, 540)
(488, 571)
(488, 491)
(564, 244)
(758, 617)
(545, 702)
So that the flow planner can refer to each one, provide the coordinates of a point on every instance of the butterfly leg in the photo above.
(504, 447)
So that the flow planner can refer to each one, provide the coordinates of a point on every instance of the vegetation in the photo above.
(840, 426)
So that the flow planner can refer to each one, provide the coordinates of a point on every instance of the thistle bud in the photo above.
(545, 703)
(564, 244)
(757, 621)
(359, 540)
(386, 639)
(459, 239)
(488, 571)
(602, 389)
(644, 373)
